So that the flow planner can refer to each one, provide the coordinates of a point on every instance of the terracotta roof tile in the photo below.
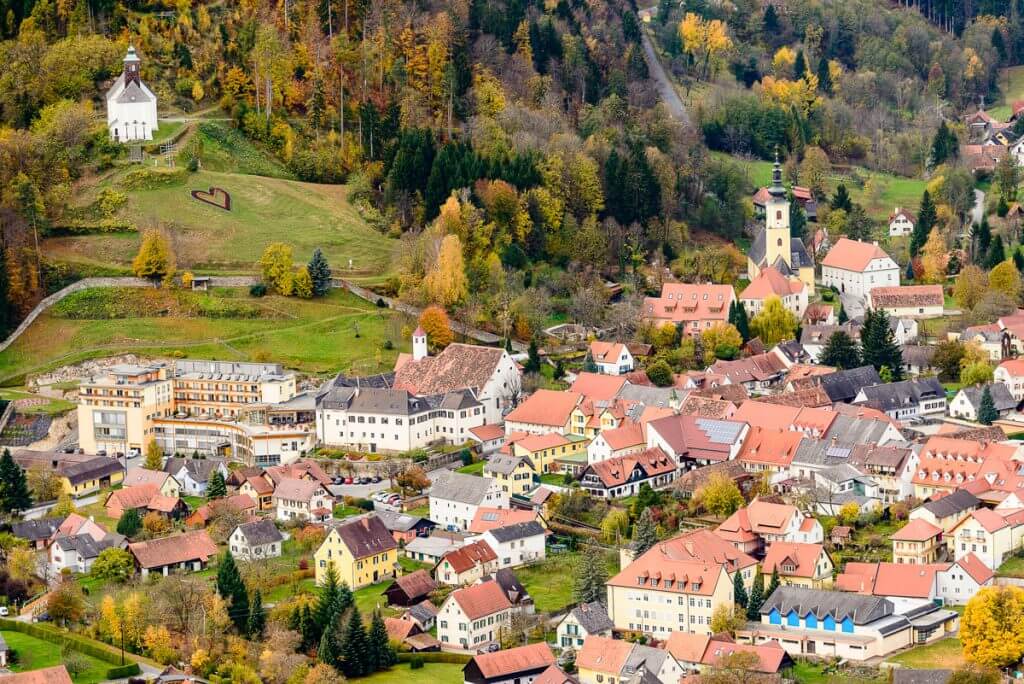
(690, 302)
(803, 556)
(616, 471)
(179, 548)
(459, 366)
(58, 674)
(545, 407)
(853, 255)
(481, 600)
(597, 387)
(470, 555)
(602, 654)
(503, 664)
(770, 282)
(906, 296)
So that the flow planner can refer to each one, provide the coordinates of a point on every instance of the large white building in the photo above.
(455, 498)
(855, 267)
(131, 106)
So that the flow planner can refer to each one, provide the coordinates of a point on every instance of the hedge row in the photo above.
(436, 657)
(75, 643)
(288, 578)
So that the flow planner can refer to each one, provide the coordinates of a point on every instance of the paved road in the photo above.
(978, 211)
(668, 93)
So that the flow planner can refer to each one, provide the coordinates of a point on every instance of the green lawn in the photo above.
(343, 511)
(194, 502)
(227, 150)
(209, 239)
(553, 478)
(944, 653)
(283, 592)
(807, 672)
(410, 565)
(52, 406)
(336, 332)
(35, 654)
(369, 599)
(1012, 567)
(1011, 82)
(473, 468)
(549, 583)
(420, 511)
(166, 131)
(430, 673)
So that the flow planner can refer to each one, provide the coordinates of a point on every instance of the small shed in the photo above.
(200, 283)
(841, 536)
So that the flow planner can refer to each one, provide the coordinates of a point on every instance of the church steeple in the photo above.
(131, 67)
(776, 189)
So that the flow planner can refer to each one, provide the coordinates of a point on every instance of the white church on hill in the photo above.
(131, 106)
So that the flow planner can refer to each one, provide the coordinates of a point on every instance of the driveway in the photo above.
(668, 93)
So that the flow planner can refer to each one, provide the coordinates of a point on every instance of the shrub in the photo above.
(416, 663)
(149, 178)
(258, 290)
(389, 345)
(381, 304)
(123, 671)
(365, 504)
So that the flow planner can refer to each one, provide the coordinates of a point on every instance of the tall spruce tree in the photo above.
(926, 219)
(742, 323)
(354, 652)
(982, 236)
(770, 20)
(532, 364)
(944, 145)
(841, 351)
(841, 199)
(129, 523)
(987, 413)
(14, 493)
(329, 650)
(996, 253)
(591, 575)
(232, 589)
(773, 584)
(824, 76)
(257, 618)
(381, 654)
(645, 535)
(797, 217)
(319, 273)
(878, 344)
(756, 598)
(739, 592)
(842, 317)
(217, 488)
(799, 65)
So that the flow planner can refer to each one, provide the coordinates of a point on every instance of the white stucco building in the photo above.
(131, 106)
(455, 498)
(855, 267)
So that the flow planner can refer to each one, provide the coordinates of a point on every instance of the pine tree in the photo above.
(840, 351)
(326, 611)
(841, 199)
(756, 599)
(588, 364)
(329, 651)
(739, 592)
(773, 584)
(996, 253)
(216, 488)
(381, 654)
(944, 145)
(982, 235)
(1018, 259)
(353, 652)
(909, 275)
(824, 76)
(987, 413)
(532, 364)
(799, 65)
(645, 535)
(232, 589)
(742, 323)
(257, 619)
(926, 219)
(130, 523)
(878, 344)
(591, 575)
(320, 273)
(842, 318)
(14, 493)
(797, 217)
(771, 20)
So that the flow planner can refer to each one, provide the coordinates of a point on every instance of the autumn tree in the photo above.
(1005, 278)
(435, 324)
(44, 483)
(720, 336)
(990, 627)
(720, 496)
(975, 373)
(660, 373)
(66, 603)
(64, 507)
(446, 282)
(614, 526)
(412, 480)
(969, 287)
(774, 323)
(934, 256)
(706, 41)
(728, 617)
(302, 283)
(815, 169)
(113, 564)
(276, 267)
(155, 259)
(154, 456)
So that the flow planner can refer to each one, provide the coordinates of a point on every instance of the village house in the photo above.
(810, 422)
(584, 620)
(620, 441)
(489, 518)
(455, 497)
(467, 564)
(410, 635)
(951, 583)
(855, 268)
(803, 196)
(144, 498)
(1011, 374)
(517, 544)
(514, 590)
(36, 533)
(774, 246)
(424, 614)
(489, 437)
(77, 543)
(243, 503)
(891, 467)
(947, 463)
(967, 402)
(946, 511)
(757, 373)
(405, 527)
(694, 307)
(694, 442)
(164, 482)
(799, 564)
(611, 358)
(603, 659)
(677, 584)
(296, 499)
(431, 549)
(256, 540)
(194, 474)
(835, 624)
(906, 400)
(545, 411)
(520, 665)
(624, 475)
(361, 550)
(699, 652)
(516, 475)
(190, 551)
(917, 359)
(792, 292)
(769, 451)
(908, 301)
(989, 337)
(842, 386)
(543, 451)
(260, 489)
(411, 589)
(988, 534)
(472, 617)
(963, 579)
(759, 524)
(901, 223)
(916, 543)
(87, 477)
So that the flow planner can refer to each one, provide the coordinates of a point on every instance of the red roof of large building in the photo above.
(853, 255)
(596, 386)
(180, 548)
(891, 579)
(770, 447)
(906, 296)
(949, 462)
(603, 654)
(481, 600)
(802, 557)
(756, 519)
(769, 282)
(690, 302)
(490, 518)
(916, 530)
(815, 421)
(514, 660)
(545, 407)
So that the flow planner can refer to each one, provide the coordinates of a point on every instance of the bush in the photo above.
(151, 177)
(381, 304)
(389, 345)
(123, 671)
(66, 641)
(365, 504)
(258, 290)
(416, 663)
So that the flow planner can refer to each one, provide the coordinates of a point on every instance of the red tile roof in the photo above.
(989, 520)
(481, 600)
(548, 440)
(891, 579)
(490, 518)
(602, 654)
(906, 296)
(1015, 367)
(770, 282)
(772, 447)
(545, 407)
(616, 471)
(918, 529)
(514, 660)
(486, 433)
(690, 302)
(949, 462)
(628, 435)
(852, 255)
(459, 366)
(179, 548)
(976, 568)
(770, 656)
(596, 386)
(470, 555)
(606, 352)
(686, 647)
(804, 558)
(58, 674)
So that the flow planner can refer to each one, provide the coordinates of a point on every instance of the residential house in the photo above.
(620, 441)
(908, 301)
(892, 468)
(144, 498)
(677, 584)
(257, 540)
(906, 400)
(584, 620)
(467, 564)
(543, 412)
(80, 475)
(987, 534)
(946, 511)
(471, 618)
(520, 665)
(759, 524)
(517, 544)
(611, 358)
(803, 196)
(757, 373)
(947, 463)
(917, 359)
(799, 564)
(812, 422)
(165, 482)
(833, 624)
(243, 503)
(260, 489)
(603, 659)
(855, 268)
(964, 578)
(77, 543)
(544, 450)
(597, 387)
(841, 386)
(1011, 374)
(516, 475)
(694, 307)
(917, 543)
(901, 222)
(769, 451)
(57, 674)
(296, 499)
(490, 437)
(897, 581)
(361, 550)
(455, 498)
(36, 533)
(190, 551)
(489, 518)
(692, 481)
(693, 441)
(792, 292)
(967, 402)
(431, 549)
(194, 473)
(405, 527)
(625, 475)
(411, 589)
(410, 635)
(424, 614)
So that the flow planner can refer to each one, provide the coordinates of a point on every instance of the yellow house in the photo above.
(799, 564)
(542, 450)
(361, 550)
(514, 474)
(87, 477)
(916, 543)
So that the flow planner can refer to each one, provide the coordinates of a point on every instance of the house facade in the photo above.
(472, 617)
(611, 358)
(455, 497)
(256, 540)
(361, 550)
(856, 268)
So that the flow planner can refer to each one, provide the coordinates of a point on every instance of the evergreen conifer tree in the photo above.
(742, 323)
(232, 589)
(646, 533)
(381, 654)
(739, 592)
(909, 275)
(773, 584)
(353, 652)
(756, 598)
(799, 65)
(797, 217)
(532, 364)
(129, 523)
(982, 235)
(588, 364)
(319, 273)
(840, 351)
(987, 413)
(14, 493)
(926, 219)
(841, 199)
(770, 20)
(842, 318)
(996, 253)
(1018, 259)
(217, 488)
(329, 650)
(824, 76)
(591, 575)
(257, 619)
(878, 344)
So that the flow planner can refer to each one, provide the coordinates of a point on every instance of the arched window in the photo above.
(780, 242)
(778, 215)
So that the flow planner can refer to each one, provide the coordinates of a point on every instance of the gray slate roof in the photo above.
(460, 487)
(260, 532)
(504, 464)
(854, 430)
(644, 659)
(517, 531)
(1001, 396)
(199, 469)
(34, 530)
(86, 546)
(903, 394)
(839, 604)
(797, 251)
(844, 385)
(955, 502)
(593, 617)
(400, 522)
(510, 584)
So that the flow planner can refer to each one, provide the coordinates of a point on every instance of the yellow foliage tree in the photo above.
(276, 267)
(774, 323)
(64, 507)
(197, 91)
(706, 40)
(934, 257)
(720, 496)
(490, 96)
(1005, 278)
(720, 335)
(969, 287)
(155, 259)
(446, 282)
(434, 322)
(157, 641)
(801, 93)
(782, 61)
(990, 628)
(302, 283)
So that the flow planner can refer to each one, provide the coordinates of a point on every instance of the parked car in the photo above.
(4, 611)
(348, 480)
(376, 479)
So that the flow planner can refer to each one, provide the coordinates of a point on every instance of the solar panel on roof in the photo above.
(838, 452)
(490, 517)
